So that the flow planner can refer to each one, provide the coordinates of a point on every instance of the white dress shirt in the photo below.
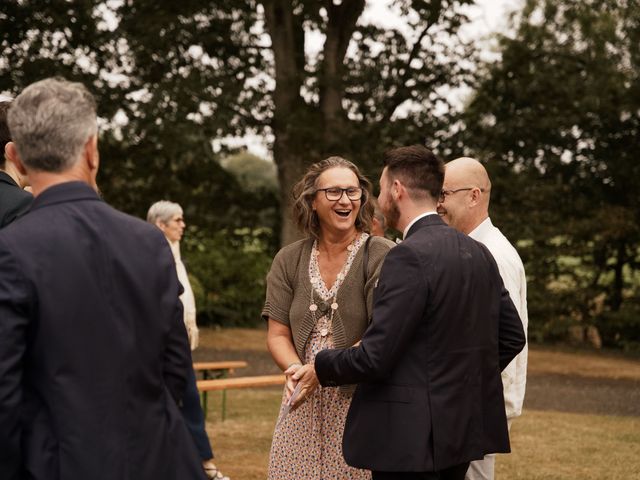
(514, 377)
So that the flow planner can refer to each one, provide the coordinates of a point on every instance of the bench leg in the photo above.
(205, 406)
(224, 404)
(204, 397)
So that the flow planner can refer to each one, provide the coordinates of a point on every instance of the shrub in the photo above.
(621, 329)
(229, 270)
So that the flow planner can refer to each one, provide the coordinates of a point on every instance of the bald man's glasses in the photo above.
(445, 193)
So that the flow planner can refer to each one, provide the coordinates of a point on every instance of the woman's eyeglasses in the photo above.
(334, 194)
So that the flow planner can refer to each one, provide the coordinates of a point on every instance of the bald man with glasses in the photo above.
(464, 205)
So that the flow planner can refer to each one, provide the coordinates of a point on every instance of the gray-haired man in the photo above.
(93, 351)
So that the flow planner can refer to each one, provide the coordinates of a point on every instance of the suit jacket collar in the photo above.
(65, 192)
(6, 178)
(428, 221)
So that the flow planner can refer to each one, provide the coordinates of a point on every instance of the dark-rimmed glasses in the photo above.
(334, 194)
(445, 193)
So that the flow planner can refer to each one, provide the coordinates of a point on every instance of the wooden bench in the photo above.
(216, 370)
(224, 384)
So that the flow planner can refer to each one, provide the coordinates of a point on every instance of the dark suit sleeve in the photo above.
(177, 355)
(399, 305)
(13, 326)
(511, 337)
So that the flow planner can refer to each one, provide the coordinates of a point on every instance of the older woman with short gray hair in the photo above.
(168, 217)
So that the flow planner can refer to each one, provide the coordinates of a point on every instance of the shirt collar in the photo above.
(175, 249)
(477, 232)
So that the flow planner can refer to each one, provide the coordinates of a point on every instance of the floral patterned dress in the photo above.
(307, 444)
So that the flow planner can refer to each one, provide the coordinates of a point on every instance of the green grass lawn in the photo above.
(241, 443)
(552, 445)
(546, 445)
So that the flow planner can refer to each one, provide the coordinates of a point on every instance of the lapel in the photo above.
(65, 192)
(428, 221)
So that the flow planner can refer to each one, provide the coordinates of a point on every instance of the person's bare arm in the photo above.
(280, 345)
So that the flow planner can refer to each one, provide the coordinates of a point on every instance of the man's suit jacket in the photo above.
(93, 351)
(14, 201)
(429, 394)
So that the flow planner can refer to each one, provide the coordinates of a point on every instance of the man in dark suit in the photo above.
(93, 350)
(429, 397)
(14, 201)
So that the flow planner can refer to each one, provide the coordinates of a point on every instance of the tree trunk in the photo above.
(303, 131)
(287, 42)
(290, 170)
(618, 279)
(341, 25)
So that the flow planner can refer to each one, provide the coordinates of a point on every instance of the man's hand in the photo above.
(306, 376)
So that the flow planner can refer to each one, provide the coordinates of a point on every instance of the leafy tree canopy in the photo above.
(557, 119)
(253, 173)
(170, 77)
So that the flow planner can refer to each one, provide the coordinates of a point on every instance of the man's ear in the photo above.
(397, 189)
(161, 225)
(11, 153)
(91, 153)
(475, 196)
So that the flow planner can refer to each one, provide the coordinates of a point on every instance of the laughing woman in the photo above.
(319, 295)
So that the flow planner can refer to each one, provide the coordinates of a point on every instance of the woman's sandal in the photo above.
(213, 473)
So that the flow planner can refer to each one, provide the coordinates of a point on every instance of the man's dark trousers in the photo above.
(451, 473)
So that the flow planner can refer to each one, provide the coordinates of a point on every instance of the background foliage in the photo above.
(555, 119)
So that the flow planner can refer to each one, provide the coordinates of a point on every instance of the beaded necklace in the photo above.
(322, 306)
(330, 306)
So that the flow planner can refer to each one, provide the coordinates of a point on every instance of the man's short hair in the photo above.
(5, 135)
(418, 168)
(163, 211)
(50, 122)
